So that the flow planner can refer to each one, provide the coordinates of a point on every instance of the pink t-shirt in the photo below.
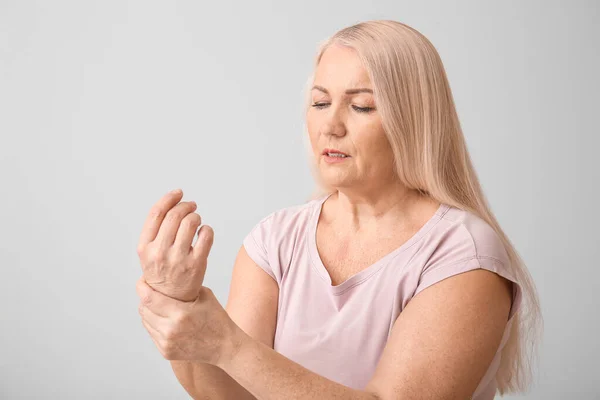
(339, 332)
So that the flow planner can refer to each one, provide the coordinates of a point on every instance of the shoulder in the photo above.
(283, 222)
(465, 242)
(289, 215)
(463, 236)
(275, 235)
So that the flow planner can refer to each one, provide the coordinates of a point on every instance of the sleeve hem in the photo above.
(254, 252)
(491, 264)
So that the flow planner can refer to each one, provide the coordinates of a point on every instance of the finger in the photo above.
(154, 301)
(204, 243)
(144, 290)
(156, 215)
(158, 322)
(140, 287)
(168, 229)
(154, 335)
(187, 231)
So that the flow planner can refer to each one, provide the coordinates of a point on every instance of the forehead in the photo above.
(341, 67)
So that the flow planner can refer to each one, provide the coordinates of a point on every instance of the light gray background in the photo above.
(105, 106)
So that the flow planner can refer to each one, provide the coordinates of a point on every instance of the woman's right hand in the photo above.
(170, 264)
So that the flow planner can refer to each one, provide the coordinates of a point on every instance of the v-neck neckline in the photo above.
(366, 273)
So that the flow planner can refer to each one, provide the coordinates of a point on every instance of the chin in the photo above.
(335, 182)
(331, 177)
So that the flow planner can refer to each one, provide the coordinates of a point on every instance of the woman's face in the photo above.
(343, 116)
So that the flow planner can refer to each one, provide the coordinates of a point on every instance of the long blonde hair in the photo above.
(419, 117)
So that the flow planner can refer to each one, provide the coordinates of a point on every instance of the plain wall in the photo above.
(107, 105)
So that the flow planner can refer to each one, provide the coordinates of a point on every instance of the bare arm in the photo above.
(423, 359)
(252, 305)
(206, 381)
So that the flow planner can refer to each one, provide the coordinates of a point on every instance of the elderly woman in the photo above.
(394, 281)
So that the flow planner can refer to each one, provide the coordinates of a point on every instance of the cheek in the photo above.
(373, 145)
(311, 120)
(370, 136)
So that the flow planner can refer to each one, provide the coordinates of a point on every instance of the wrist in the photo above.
(174, 292)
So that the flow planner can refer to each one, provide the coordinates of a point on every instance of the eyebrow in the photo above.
(349, 91)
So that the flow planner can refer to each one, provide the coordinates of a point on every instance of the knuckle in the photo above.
(171, 217)
(157, 255)
(160, 258)
(176, 257)
(205, 292)
(156, 212)
(180, 318)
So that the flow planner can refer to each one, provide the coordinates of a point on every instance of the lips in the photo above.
(334, 151)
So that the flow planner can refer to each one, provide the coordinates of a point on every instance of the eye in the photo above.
(363, 109)
(356, 108)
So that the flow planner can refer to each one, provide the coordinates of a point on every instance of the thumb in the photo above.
(142, 288)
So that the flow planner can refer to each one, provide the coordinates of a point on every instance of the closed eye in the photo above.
(363, 109)
(356, 108)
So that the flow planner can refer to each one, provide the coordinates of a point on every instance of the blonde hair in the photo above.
(419, 117)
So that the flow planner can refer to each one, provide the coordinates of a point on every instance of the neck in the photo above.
(359, 211)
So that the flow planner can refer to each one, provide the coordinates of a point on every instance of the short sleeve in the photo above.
(436, 274)
(257, 244)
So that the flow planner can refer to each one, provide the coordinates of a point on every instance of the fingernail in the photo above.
(176, 191)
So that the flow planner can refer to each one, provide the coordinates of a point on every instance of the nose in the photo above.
(334, 123)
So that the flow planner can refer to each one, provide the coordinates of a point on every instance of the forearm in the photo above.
(206, 381)
(269, 375)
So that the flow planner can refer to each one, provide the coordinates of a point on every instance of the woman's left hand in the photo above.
(199, 330)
